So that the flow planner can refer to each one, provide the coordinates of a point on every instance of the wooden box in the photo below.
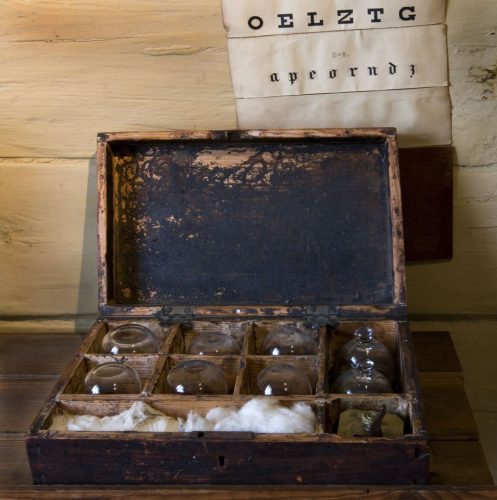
(243, 231)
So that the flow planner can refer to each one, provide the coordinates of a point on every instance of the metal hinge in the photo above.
(325, 315)
(177, 314)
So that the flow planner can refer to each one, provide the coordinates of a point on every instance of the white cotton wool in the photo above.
(197, 423)
(268, 416)
(261, 415)
(139, 417)
(219, 413)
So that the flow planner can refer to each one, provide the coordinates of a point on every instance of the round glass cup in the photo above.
(214, 344)
(288, 340)
(197, 377)
(362, 348)
(130, 339)
(283, 380)
(362, 378)
(112, 378)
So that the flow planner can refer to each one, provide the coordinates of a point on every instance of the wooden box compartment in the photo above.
(262, 328)
(243, 232)
(143, 364)
(399, 405)
(211, 457)
(230, 365)
(391, 333)
(311, 366)
(93, 343)
(180, 343)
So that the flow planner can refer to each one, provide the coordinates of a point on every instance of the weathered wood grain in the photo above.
(158, 459)
(435, 352)
(48, 20)
(472, 54)
(183, 78)
(122, 66)
(52, 122)
(467, 463)
(447, 411)
(488, 439)
(69, 94)
(476, 345)
(453, 463)
(247, 492)
(14, 465)
(304, 459)
(20, 402)
(42, 355)
(32, 324)
(47, 237)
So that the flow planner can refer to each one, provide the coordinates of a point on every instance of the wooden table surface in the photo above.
(30, 364)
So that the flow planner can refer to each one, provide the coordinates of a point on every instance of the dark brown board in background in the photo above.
(426, 185)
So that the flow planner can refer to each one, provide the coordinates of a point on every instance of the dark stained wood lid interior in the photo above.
(284, 221)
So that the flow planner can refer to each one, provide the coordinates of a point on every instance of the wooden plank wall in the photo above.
(71, 69)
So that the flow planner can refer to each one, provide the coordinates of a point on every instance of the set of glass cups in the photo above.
(204, 377)
(363, 365)
(199, 376)
(116, 377)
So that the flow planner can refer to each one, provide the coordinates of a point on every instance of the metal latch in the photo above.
(177, 314)
(325, 315)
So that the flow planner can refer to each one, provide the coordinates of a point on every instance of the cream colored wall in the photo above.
(69, 69)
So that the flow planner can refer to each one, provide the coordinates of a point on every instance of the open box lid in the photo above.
(302, 223)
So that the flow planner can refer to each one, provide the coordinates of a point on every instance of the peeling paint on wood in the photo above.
(288, 221)
(487, 77)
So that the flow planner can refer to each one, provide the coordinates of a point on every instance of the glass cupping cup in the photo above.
(130, 339)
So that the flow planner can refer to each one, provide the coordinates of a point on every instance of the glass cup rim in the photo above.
(212, 340)
(290, 368)
(147, 332)
(130, 336)
(119, 369)
(116, 366)
(195, 365)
